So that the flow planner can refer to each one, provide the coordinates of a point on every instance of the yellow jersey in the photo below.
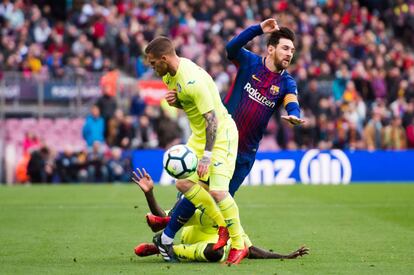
(198, 94)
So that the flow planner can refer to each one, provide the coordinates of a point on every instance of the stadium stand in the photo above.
(354, 67)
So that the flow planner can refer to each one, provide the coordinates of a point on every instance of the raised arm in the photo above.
(145, 182)
(234, 47)
(237, 43)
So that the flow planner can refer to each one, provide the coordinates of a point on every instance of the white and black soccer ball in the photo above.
(180, 162)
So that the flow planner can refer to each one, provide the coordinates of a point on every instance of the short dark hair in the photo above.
(283, 32)
(213, 255)
(160, 46)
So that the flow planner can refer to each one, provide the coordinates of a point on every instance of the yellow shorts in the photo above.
(196, 235)
(201, 228)
(223, 159)
(203, 222)
(191, 252)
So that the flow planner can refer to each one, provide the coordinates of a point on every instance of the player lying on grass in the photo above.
(198, 235)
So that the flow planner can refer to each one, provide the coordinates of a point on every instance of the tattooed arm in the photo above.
(211, 129)
(211, 132)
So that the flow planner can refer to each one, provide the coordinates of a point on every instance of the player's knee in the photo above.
(213, 255)
(218, 195)
(183, 185)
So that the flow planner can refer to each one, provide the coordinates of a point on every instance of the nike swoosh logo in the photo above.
(191, 82)
(217, 164)
(255, 78)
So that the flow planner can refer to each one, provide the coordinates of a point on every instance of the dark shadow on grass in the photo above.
(134, 260)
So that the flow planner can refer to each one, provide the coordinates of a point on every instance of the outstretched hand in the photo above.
(269, 25)
(293, 120)
(302, 251)
(143, 180)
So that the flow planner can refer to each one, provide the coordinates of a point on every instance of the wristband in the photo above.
(207, 154)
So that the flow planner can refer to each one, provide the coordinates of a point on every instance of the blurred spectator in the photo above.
(378, 83)
(394, 136)
(96, 166)
(408, 114)
(350, 94)
(340, 83)
(113, 126)
(373, 131)
(6, 8)
(146, 134)
(16, 17)
(65, 166)
(126, 133)
(42, 31)
(168, 131)
(30, 141)
(119, 166)
(354, 65)
(399, 106)
(107, 106)
(81, 166)
(21, 169)
(354, 138)
(39, 168)
(137, 105)
(94, 127)
(310, 97)
(325, 132)
(410, 134)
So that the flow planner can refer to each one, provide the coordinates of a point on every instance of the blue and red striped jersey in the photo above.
(256, 92)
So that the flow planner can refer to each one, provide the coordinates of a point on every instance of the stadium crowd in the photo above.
(354, 64)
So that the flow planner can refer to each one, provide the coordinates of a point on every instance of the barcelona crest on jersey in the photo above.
(274, 89)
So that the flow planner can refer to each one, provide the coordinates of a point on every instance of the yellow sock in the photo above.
(230, 213)
(192, 252)
(246, 238)
(205, 203)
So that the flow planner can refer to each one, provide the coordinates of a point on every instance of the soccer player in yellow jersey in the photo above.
(214, 139)
(198, 235)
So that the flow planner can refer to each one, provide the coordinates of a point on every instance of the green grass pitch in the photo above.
(92, 229)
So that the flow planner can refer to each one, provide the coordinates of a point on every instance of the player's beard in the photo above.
(280, 65)
(162, 70)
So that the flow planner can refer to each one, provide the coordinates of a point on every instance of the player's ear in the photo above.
(146, 59)
(164, 58)
(271, 49)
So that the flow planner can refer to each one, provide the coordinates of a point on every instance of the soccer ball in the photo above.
(180, 162)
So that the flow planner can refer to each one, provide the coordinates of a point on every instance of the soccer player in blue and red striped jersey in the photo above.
(261, 86)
